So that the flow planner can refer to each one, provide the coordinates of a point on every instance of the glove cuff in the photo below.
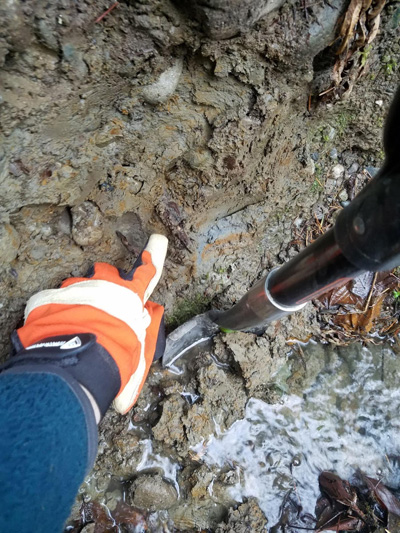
(91, 425)
(80, 356)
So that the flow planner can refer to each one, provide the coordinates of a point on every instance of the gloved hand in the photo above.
(101, 329)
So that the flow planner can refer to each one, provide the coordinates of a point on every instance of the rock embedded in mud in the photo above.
(197, 516)
(152, 493)
(257, 365)
(87, 224)
(247, 517)
(73, 61)
(222, 19)
(223, 401)
(159, 91)
(9, 243)
(338, 171)
(169, 428)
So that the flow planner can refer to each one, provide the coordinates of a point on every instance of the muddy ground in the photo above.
(201, 128)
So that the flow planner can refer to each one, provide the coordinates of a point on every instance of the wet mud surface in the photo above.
(154, 119)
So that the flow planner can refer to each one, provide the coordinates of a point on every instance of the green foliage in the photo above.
(317, 185)
(396, 295)
(187, 308)
(389, 64)
(364, 54)
(343, 120)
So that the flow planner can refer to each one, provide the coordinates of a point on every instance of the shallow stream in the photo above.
(339, 413)
(347, 419)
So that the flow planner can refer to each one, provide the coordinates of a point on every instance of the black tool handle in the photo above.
(366, 236)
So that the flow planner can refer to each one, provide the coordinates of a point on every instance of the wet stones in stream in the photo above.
(152, 493)
(247, 517)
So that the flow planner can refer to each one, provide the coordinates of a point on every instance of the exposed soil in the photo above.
(151, 120)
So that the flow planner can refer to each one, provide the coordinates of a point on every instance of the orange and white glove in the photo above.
(100, 329)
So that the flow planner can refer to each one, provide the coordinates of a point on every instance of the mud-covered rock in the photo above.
(222, 19)
(153, 493)
(247, 517)
(15, 34)
(86, 224)
(9, 243)
(169, 428)
(220, 399)
(159, 91)
(257, 365)
(197, 515)
(223, 399)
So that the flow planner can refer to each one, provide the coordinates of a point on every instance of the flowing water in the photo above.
(341, 416)
(347, 419)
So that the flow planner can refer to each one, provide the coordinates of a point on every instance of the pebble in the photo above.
(333, 154)
(9, 243)
(379, 103)
(47, 34)
(353, 169)
(74, 58)
(38, 252)
(338, 171)
(315, 156)
(165, 86)
(331, 133)
(87, 224)
(343, 196)
(153, 493)
(65, 222)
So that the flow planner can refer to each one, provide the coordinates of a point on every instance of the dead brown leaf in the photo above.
(358, 29)
(349, 24)
(358, 308)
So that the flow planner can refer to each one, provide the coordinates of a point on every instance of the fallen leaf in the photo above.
(349, 23)
(383, 495)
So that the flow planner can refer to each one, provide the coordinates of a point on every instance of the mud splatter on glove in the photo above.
(100, 329)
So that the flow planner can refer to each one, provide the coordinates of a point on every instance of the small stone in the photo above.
(87, 224)
(73, 59)
(353, 169)
(379, 103)
(153, 493)
(159, 91)
(315, 156)
(331, 133)
(47, 34)
(38, 252)
(338, 171)
(333, 154)
(343, 196)
(65, 222)
(9, 243)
